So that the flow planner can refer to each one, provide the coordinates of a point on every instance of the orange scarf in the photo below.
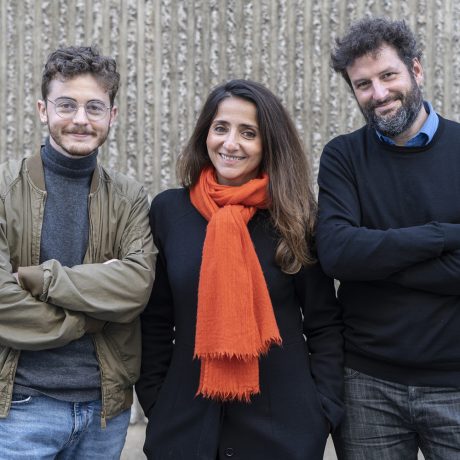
(235, 320)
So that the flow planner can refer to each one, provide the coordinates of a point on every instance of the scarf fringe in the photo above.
(227, 396)
(261, 351)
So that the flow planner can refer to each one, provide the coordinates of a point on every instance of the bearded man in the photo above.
(389, 231)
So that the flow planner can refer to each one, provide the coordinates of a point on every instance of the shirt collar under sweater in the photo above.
(426, 133)
(65, 166)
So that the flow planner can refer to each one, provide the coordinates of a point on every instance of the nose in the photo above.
(80, 116)
(231, 142)
(380, 91)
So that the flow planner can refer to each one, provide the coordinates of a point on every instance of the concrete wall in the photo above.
(171, 52)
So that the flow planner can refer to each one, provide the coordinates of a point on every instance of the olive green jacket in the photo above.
(53, 305)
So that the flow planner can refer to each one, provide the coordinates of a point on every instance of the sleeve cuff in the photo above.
(93, 325)
(451, 236)
(32, 279)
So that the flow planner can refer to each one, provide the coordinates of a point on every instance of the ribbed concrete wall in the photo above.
(171, 52)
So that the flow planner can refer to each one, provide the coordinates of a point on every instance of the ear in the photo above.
(113, 115)
(417, 71)
(41, 106)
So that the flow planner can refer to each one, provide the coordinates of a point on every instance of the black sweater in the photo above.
(389, 230)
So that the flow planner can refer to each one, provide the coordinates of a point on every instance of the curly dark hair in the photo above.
(292, 201)
(368, 36)
(72, 61)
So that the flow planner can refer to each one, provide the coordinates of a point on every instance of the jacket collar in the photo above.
(37, 175)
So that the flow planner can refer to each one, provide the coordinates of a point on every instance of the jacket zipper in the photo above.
(90, 251)
(103, 412)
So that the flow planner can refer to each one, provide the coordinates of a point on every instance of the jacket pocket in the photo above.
(121, 345)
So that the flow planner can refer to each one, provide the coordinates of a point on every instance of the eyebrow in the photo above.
(74, 100)
(384, 71)
(359, 80)
(243, 125)
(66, 97)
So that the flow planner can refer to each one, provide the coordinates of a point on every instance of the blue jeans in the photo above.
(389, 421)
(39, 428)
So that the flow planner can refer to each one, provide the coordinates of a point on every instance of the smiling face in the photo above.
(76, 136)
(388, 94)
(234, 142)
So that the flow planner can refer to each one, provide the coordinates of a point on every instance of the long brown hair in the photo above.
(293, 204)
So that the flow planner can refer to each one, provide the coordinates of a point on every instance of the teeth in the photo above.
(229, 157)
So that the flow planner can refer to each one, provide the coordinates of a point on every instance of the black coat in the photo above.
(301, 382)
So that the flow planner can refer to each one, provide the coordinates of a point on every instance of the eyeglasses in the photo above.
(67, 108)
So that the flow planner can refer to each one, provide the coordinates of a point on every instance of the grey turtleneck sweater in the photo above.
(69, 373)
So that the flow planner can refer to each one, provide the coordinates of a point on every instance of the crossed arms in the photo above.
(54, 305)
(425, 257)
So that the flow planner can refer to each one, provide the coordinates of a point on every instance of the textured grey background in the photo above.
(171, 52)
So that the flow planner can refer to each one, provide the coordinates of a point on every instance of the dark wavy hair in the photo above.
(368, 36)
(293, 205)
(72, 61)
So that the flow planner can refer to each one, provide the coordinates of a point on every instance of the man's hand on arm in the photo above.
(116, 290)
(440, 275)
(34, 285)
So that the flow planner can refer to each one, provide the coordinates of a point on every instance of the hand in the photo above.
(93, 325)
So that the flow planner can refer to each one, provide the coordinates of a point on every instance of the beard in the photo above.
(394, 124)
(77, 149)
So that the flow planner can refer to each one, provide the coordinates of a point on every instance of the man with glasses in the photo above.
(76, 269)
